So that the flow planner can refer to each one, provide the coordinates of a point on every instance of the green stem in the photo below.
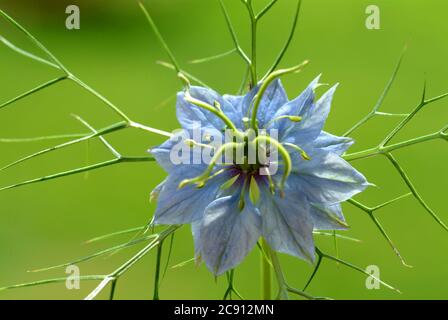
(282, 286)
(265, 273)
(113, 285)
(383, 150)
(254, 43)
(157, 273)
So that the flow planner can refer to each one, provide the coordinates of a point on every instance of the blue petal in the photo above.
(188, 114)
(331, 143)
(326, 178)
(273, 99)
(170, 159)
(196, 232)
(180, 206)
(295, 107)
(328, 217)
(228, 234)
(313, 120)
(287, 225)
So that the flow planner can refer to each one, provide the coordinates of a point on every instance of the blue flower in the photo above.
(231, 205)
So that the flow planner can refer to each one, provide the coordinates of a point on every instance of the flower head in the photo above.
(294, 183)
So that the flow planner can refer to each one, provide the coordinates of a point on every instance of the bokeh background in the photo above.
(115, 51)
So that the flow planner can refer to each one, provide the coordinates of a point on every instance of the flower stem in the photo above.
(386, 149)
(282, 286)
(265, 273)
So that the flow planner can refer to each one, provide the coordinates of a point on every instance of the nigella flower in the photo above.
(231, 205)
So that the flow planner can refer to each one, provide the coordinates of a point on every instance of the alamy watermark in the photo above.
(373, 19)
(211, 146)
(373, 281)
(73, 279)
(73, 21)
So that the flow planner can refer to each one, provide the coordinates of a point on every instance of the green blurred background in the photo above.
(115, 52)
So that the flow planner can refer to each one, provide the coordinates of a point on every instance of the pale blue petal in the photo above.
(296, 107)
(331, 143)
(188, 114)
(328, 217)
(326, 178)
(174, 152)
(287, 225)
(273, 99)
(196, 232)
(313, 120)
(180, 206)
(228, 234)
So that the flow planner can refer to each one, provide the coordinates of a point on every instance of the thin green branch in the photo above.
(104, 131)
(265, 9)
(337, 235)
(128, 264)
(235, 40)
(392, 147)
(254, 25)
(113, 286)
(288, 41)
(371, 213)
(313, 274)
(72, 77)
(375, 110)
(27, 54)
(51, 281)
(186, 74)
(34, 90)
(214, 57)
(231, 286)
(118, 233)
(168, 257)
(160, 38)
(120, 113)
(157, 271)
(35, 41)
(103, 140)
(354, 267)
(265, 272)
(411, 115)
(244, 81)
(281, 281)
(79, 170)
(43, 138)
(97, 254)
(183, 263)
(414, 191)
(382, 205)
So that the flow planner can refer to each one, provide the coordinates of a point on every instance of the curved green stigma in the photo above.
(303, 153)
(265, 84)
(202, 179)
(291, 118)
(285, 155)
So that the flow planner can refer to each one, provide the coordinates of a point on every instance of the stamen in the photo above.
(285, 155)
(291, 118)
(304, 155)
